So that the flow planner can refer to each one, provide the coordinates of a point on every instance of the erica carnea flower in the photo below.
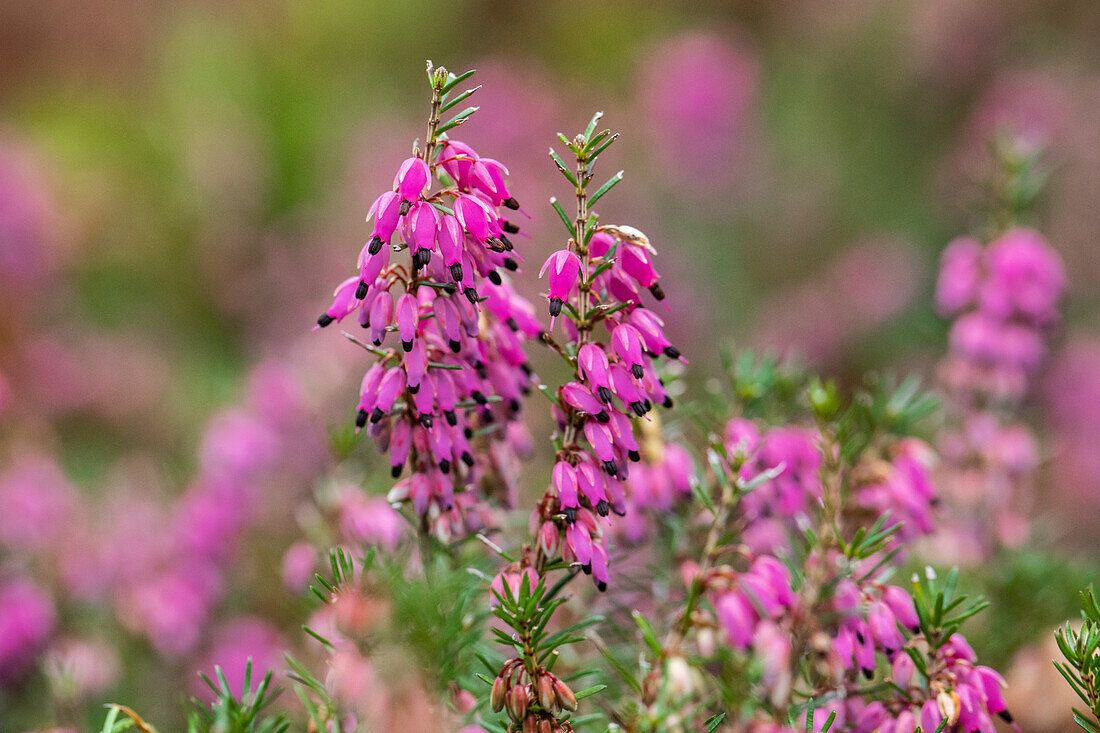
(1004, 299)
(446, 327)
(27, 618)
(613, 342)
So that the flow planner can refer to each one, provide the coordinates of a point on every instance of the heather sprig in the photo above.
(453, 383)
(1002, 292)
(611, 343)
(1081, 668)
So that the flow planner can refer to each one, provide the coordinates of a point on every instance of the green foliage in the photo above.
(940, 608)
(227, 714)
(1081, 649)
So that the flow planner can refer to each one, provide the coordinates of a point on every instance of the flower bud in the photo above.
(546, 691)
(412, 179)
(566, 699)
(516, 702)
(549, 537)
(496, 697)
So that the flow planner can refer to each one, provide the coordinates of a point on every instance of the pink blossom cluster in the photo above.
(1004, 298)
(170, 590)
(457, 372)
(866, 625)
(964, 694)
(776, 506)
(894, 483)
(244, 449)
(900, 487)
(615, 383)
(656, 486)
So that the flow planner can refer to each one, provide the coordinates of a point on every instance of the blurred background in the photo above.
(181, 184)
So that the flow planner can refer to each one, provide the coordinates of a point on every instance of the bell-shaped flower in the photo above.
(626, 342)
(412, 179)
(451, 241)
(564, 480)
(564, 267)
(343, 303)
(901, 604)
(386, 211)
(407, 320)
(381, 315)
(577, 396)
(599, 437)
(389, 389)
(593, 366)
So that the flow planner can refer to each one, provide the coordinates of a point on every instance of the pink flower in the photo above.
(412, 179)
(27, 618)
(564, 267)
(370, 520)
(960, 274)
(36, 502)
(699, 91)
(235, 644)
(299, 562)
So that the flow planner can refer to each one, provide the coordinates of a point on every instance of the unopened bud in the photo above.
(566, 699)
(546, 691)
(516, 702)
(545, 726)
(530, 724)
(549, 538)
(496, 697)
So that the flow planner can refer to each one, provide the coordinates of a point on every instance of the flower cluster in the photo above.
(657, 484)
(957, 693)
(892, 482)
(454, 369)
(1004, 298)
(598, 280)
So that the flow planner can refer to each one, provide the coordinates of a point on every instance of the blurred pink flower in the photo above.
(27, 618)
(36, 501)
(27, 254)
(370, 519)
(698, 92)
(79, 668)
(299, 563)
(862, 289)
(233, 645)
(171, 608)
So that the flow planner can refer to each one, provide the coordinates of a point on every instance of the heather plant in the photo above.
(773, 528)
(1002, 290)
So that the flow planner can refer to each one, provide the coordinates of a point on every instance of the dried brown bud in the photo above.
(649, 688)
